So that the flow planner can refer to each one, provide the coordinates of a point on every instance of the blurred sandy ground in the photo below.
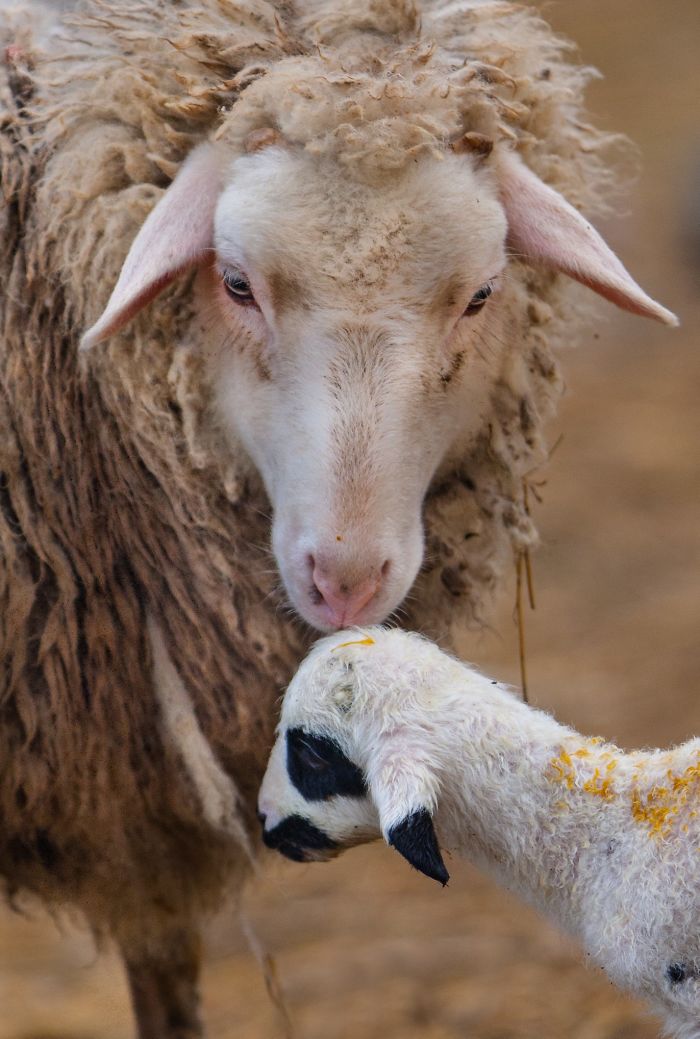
(365, 947)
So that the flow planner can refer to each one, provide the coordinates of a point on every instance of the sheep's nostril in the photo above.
(345, 599)
(261, 818)
(315, 594)
(386, 566)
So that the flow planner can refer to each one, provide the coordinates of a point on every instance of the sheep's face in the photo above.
(356, 339)
(355, 755)
(354, 335)
(314, 800)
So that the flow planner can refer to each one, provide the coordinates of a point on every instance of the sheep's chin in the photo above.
(318, 855)
(317, 617)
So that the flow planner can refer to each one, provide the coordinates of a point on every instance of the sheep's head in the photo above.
(360, 750)
(355, 330)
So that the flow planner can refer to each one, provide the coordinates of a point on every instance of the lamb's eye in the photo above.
(238, 288)
(308, 757)
(478, 299)
(319, 769)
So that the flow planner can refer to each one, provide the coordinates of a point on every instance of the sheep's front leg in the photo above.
(165, 989)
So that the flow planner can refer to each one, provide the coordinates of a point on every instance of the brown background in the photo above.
(366, 948)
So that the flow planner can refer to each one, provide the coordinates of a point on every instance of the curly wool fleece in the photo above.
(118, 496)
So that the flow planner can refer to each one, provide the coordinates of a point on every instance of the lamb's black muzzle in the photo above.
(299, 840)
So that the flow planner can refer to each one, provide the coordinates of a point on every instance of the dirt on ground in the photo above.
(365, 948)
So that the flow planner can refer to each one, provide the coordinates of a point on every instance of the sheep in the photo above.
(382, 733)
(307, 262)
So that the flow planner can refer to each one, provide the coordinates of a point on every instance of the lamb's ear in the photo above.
(404, 785)
(177, 234)
(546, 230)
(414, 838)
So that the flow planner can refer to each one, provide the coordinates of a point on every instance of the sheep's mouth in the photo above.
(299, 840)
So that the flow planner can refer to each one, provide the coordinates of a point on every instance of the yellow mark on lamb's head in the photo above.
(368, 641)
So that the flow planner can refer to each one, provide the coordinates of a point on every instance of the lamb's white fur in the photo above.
(606, 843)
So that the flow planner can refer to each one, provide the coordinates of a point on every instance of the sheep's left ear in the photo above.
(545, 229)
(404, 785)
(177, 234)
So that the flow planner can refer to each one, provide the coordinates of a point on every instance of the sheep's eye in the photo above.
(308, 757)
(319, 769)
(478, 299)
(238, 288)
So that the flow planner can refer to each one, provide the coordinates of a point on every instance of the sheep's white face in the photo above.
(314, 800)
(354, 335)
(354, 345)
(360, 750)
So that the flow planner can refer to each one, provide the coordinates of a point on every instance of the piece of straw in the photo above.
(519, 560)
(270, 975)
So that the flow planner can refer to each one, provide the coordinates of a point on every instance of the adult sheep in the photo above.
(361, 340)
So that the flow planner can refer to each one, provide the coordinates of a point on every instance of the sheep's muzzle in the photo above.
(300, 840)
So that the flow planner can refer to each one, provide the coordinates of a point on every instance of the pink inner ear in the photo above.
(177, 234)
(545, 229)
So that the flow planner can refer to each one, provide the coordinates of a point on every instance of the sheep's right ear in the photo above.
(404, 784)
(177, 234)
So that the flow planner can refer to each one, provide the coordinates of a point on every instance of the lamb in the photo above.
(316, 258)
(382, 733)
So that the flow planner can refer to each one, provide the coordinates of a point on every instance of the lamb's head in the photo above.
(361, 749)
(355, 327)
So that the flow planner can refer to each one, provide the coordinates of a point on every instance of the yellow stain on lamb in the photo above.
(600, 784)
(659, 807)
(562, 769)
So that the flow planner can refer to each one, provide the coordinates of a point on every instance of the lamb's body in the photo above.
(122, 500)
(603, 842)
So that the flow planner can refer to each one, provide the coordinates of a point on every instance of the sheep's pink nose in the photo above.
(345, 598)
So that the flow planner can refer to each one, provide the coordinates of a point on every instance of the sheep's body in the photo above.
(603, 842)
(120, 500)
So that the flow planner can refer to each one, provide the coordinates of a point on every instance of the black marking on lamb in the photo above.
(414, 838)
(297, 839)
(677, 973)
(319, 769)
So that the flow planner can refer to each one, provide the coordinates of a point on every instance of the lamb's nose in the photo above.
(346, 599)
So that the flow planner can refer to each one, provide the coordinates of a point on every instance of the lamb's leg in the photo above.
(165, 989)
